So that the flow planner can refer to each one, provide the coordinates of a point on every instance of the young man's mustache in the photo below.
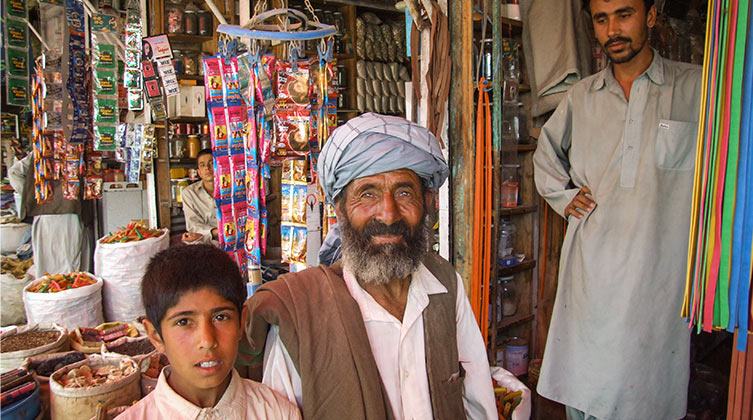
(617, 39)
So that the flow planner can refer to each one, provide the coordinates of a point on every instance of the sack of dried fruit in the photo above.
(77, 389)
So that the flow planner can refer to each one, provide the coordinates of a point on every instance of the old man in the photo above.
(388, 332)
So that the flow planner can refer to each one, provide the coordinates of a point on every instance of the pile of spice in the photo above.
(27, 340)
(133, 348)
(132, 233)
(59, 282)
(84, 376)
(47, 367)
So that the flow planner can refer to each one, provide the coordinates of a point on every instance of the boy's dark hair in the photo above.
(182, 269)
(203, 152)
(587, 5)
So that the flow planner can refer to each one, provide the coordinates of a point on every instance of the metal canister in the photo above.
(516, 356)
(487, 63)
(206, 142)
(190, 22)
(179, 129)
(205, 22)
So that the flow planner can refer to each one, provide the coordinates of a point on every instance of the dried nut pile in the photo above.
(27, 340)
(85, 376)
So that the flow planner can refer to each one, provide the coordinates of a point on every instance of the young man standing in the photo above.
(616, 159)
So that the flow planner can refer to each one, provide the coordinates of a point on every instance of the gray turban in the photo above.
(373, 144)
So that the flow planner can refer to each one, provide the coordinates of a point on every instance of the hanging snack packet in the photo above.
(293, 84)
(106, 110)
(104, 137)
(231, 82)
(225, 177)
(299, 203)
(292, 133)
(71, 189)
(227, 224)
(218, 124)
(299, 171)
(240, 212)
(93, 188)
(286, 242)
(213, 81)
(286, 202)
(239, 179)
(253, 234)
(105, 82)
(298, 250)
(237, 117)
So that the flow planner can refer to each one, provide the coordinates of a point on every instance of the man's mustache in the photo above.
(617, 39)
(376, 228)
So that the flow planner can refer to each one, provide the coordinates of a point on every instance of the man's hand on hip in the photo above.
(581, 204)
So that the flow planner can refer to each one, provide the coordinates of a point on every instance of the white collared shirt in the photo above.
(398, 349)
(243, 399)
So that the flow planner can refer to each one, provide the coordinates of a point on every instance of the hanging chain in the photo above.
(259, 7)
(311, 10)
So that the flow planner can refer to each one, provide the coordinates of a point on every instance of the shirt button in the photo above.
(630, 147)
(406, 374)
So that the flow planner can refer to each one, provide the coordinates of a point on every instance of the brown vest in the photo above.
(321, 327)
(58, 205)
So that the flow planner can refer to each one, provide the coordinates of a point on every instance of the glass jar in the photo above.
(174, 18)
(206, 22)
(511, 80)
(505, 253)
(190, 63)
(509, 296)
(182, 183)
(200, 63)
(174, 190)
(206, 142)
(337, 20)
(509, 188)
(190, 21)
(180, 147)
(178, 62)
(193, 145)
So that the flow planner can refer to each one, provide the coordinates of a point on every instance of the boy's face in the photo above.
(200, 336)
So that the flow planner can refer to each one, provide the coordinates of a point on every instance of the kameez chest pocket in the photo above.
(676, 145)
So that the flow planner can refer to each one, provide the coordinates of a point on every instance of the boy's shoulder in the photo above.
(266, 400)
(141, 410)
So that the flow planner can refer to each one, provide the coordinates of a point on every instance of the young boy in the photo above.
(194, 297)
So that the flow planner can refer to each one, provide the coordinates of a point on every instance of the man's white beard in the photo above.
(380, 264)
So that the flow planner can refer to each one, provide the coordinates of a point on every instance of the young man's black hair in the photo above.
(203, 152)
(182, 269)
(587, 5)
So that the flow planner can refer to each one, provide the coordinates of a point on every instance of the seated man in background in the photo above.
(199, 205)
(193, 296)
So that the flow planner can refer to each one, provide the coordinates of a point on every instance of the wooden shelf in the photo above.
(189, 38)
(183, 160)
(511, 321)
(520, 147)
(512, 22)
(368, 5)
(346, 111)
(188, 119)
(521, 209)
(189, 77)
(517, 268)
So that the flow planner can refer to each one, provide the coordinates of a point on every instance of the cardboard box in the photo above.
(188, 103)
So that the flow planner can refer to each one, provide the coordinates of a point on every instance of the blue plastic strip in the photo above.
(323, 32)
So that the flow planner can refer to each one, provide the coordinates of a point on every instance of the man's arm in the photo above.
(552, 164)
(478, 391)
(280, 373)
(196, 219)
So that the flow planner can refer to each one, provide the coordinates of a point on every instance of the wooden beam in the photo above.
(461, 138)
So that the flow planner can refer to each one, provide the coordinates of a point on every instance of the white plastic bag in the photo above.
(509, 381)
(122, 265)
(80, 307)
(11, 291)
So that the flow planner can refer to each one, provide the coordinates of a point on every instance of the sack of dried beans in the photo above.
(121, 264)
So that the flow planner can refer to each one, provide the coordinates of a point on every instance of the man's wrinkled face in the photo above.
(621, 27)
(383, 225)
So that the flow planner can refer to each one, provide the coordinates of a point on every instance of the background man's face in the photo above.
(621, 27)
(206, 170)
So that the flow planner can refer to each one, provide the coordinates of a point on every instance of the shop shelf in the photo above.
(521, 209)
(188, 161)
(520, 147)
(346, 111)
(511, 321)
(188, 119)
(517, 268)
(189, 38)
(190, 77)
